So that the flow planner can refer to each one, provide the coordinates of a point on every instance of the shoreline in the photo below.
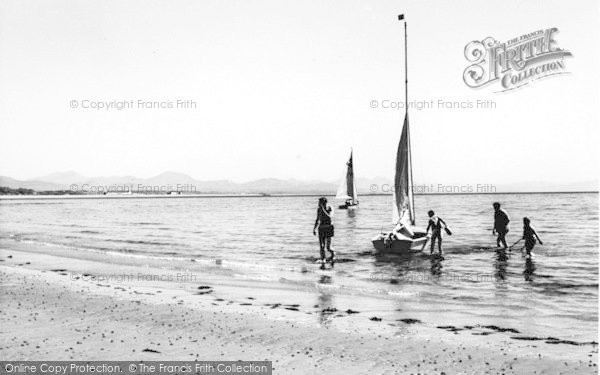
(73, 316)
(254, 195)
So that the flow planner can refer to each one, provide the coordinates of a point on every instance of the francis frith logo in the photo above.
(514, 63)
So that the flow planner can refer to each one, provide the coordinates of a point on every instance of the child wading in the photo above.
(529, 235)
(435, 223)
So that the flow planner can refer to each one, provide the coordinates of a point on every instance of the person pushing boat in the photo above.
(323, 223)
(435, 223)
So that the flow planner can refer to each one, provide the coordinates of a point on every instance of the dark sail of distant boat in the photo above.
(347, 189)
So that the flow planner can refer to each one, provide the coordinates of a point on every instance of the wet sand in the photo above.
(53, 309)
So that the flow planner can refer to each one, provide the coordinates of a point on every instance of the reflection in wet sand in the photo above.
(500, 264)
(529, 269)
(325, 302)
(436, 266)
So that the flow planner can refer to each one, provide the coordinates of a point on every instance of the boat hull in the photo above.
(400, 245)
(348, 207)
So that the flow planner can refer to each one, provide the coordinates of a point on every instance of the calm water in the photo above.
(271, 239)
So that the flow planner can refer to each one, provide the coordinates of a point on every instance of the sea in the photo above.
(555, 293)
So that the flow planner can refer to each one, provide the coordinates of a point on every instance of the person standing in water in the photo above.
(435, 223)
(501, 221)
(529, 235)
(323, 222)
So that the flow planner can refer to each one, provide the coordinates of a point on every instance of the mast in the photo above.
(352, 167)
(405, 67)
(410, 177)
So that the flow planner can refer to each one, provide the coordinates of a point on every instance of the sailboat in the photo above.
(347, 189)
(405, 236)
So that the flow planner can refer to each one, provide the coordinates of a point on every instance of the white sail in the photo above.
(342, 192)
(395, 214)
(403, 211)
(354, 192)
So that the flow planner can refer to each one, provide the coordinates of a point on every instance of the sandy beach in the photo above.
(309, 187)
(53, 308)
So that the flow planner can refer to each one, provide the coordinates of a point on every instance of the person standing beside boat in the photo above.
(501, 221)
(435, 223)
(323, 222)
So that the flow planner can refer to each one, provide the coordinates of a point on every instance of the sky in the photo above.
(283, 89)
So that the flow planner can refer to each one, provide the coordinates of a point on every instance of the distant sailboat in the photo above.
(405, 235)
(347, 189)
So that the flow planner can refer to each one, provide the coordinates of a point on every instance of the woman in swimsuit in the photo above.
(323, 222)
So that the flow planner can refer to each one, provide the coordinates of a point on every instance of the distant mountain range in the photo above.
(171, 181)
(168, 181)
